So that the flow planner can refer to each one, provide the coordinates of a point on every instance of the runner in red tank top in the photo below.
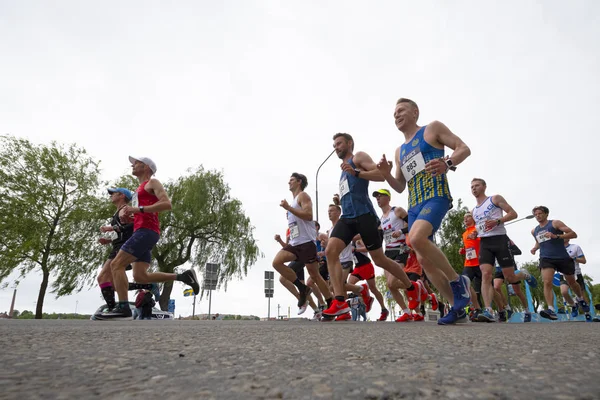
(149, 199)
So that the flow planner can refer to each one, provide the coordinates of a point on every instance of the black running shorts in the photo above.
(564, 265)
(367, 225)
(495, 248)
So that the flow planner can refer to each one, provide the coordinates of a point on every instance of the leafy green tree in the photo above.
(16, 314)
(26, 315)
(449, 236)
(205, 225)
(50, 214)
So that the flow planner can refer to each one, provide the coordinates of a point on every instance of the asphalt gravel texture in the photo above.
(66, 359)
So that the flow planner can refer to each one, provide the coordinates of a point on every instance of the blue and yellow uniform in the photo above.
(428, 195)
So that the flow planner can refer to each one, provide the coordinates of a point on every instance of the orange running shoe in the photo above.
(434, 302)
(343, 317)
(365, 295)
(406, 317)
(414, 296)
(384, 315)
(337, 308)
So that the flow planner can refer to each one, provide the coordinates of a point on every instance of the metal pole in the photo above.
(317, 184)
(194, 307)
(269, 312)
(209, 302)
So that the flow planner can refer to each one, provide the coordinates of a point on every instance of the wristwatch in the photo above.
(498, 222)
(142, 209)
(357, 172)
(450, 164)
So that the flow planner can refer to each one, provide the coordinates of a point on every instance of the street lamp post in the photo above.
(317, 183)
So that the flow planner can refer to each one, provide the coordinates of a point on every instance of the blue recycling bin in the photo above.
(172, 306)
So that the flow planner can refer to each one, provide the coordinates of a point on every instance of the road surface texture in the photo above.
(51, 359)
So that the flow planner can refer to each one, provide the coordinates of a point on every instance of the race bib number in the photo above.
(481, 226)
(344, 188)
(413, 166)
(541, 237)
(294, 230)
(134, 200)
(387, 236)
(471, 254)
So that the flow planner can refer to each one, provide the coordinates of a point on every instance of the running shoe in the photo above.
(406, 317)
(584, 306)
(414, 296)
(486, 316)
(548, 314)
(530, 279)
(461, 291)
(344, 317)
(337, 308)
(384, 315)
(434, 301)
(453, 317)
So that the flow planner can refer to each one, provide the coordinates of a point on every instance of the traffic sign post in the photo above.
(269, 289)
(210, 281)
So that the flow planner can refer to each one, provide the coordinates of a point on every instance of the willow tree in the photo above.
(205, 225)
(50, 214)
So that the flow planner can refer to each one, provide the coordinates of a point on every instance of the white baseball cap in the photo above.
(144, 160)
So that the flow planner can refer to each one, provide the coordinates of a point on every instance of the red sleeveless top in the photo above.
(145, 220)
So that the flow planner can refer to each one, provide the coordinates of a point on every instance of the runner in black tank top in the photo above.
(119, 230)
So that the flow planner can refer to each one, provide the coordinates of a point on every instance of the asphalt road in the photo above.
(297, 360)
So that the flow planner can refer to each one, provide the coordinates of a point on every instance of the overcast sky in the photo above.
(256, 89)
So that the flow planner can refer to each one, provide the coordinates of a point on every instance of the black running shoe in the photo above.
(189, 278)
(303, 292)
(119, 313)
(502, 316)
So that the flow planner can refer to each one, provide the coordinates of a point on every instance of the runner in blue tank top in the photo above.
(549, 238)
(421, 165)
(358, 217)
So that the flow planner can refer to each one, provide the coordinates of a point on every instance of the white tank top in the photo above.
(488, 211)
(346, 255)
(301, 231)
(391, 223)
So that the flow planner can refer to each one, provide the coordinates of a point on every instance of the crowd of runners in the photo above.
(401, 241)
(398, 240)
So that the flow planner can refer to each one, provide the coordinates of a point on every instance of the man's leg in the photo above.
(376, 293)
(120, 281)
(575, 287)
(316, 291)
(289, 286)
(488, 291)
(315, 276)
(547, 277)
(432, 259)
(521, 296)
(333, 251)
(394, 285)
(106, 285)
(499, 297)
(281, 258)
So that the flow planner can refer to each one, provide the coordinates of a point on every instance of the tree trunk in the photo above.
(165, 296)
(40, 301)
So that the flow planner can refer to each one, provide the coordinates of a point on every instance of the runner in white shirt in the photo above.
(494, 244)
(578, 257)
